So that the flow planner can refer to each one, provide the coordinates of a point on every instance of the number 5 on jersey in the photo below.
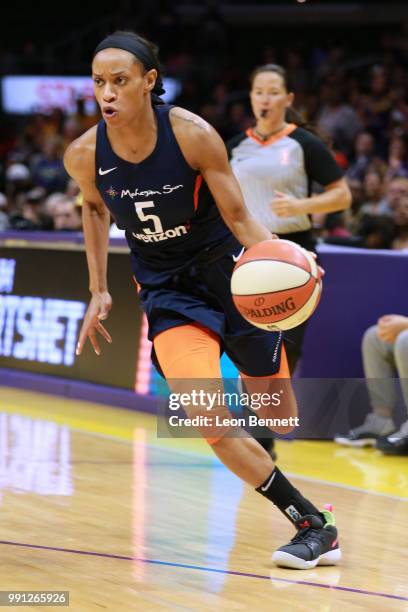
(158, 228)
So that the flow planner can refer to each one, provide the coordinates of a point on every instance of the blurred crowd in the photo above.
(357, 100)
(38, 194)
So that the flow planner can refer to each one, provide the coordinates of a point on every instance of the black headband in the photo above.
(142, 52)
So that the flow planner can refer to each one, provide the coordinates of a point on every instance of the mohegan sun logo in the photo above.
(111, 192)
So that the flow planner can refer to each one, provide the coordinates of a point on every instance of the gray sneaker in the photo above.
(367, 434)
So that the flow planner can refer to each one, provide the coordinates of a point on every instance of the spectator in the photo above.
(49, 171)
(363, 156)
(338, 120)
(33, 209)
(28, 211)
(375, 203)
(400, 217)
(379, 101)
(52, 200)
(71, 130)
(385, 356)
(357, 194)
(376, 231)
(397, 188)
(397, 165)
(4, 220)
(335, 226)
(399, 112)
(67, 216)
(18, 179)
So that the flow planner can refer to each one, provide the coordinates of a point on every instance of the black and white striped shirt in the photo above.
(289, 161)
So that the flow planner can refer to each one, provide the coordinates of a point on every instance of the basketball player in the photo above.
(276, 163)
(163, 174)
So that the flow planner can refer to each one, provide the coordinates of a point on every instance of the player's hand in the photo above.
(284, 205)
(390, 326)
(321, 270)
(98, 310)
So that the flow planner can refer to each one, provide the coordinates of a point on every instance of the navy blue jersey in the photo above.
(182, 252)
(163, 204)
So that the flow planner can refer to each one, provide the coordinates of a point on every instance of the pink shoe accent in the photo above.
(328, 507)
(305, 524)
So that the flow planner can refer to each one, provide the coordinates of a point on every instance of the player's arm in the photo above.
(79, 161)
(205, 151)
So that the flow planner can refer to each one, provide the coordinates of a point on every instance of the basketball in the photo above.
(276, 285)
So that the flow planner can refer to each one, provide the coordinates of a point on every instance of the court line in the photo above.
(345, 486)
(202, 568)
(215, 465)
(212, 461)
(290, 474)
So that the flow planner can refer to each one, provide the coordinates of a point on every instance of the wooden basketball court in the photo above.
(91, 502)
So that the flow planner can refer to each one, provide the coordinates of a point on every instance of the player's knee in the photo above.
(401, 349)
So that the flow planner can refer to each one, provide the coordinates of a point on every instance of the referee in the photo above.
(276, 163)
